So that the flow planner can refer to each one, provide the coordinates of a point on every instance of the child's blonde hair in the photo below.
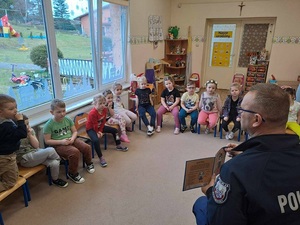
(141, 79)
(211, 82)
(191, 82)
(236, 84)
(98, 98)
(166, 78)
(116, 85)
(57, 103)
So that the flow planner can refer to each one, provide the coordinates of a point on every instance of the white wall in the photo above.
(140, 10)
(284, 56)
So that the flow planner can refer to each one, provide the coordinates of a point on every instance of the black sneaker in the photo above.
(60, 183)
(122, 148)
(90, 168)
(76, 178)
(183, 128)
(192, 129)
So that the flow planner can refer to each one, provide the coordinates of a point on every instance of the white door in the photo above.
(224, 38)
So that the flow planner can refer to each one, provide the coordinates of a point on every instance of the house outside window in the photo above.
(48, 51)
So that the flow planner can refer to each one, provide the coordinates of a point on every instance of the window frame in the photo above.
(40, 113)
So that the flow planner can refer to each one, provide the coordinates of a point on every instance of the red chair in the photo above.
(196, 78)
(239, 78)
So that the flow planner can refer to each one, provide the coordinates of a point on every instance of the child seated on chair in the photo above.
(30, 154)
(144, 104)
(189, 106)
(230, 112)
(294, 113)
(210, 106)
(114, 118)
(95, 127)
(10, 135)
(60, 133)
(170, 98)
(128, 116)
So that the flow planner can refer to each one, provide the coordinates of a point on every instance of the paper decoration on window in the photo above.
(155, 28)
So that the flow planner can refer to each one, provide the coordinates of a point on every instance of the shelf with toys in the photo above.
(175, 56)
(256, 73)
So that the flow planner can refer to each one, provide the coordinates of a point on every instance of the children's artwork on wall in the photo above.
(155, 28)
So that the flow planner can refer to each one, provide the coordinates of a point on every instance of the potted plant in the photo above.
(178, 62)
(173, 32)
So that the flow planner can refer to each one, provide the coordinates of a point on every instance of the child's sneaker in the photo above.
(122, 148)
(158, 129)
(76, 178)
(90, 168)
(207, 131)
(183, 128)
(124, 138)
(192, 129)
(150, 130)
(226, 136)
(230, 135)
(103, 163)
(176, 131)
(60, 183)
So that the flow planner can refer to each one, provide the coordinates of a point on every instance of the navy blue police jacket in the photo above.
(259, 186)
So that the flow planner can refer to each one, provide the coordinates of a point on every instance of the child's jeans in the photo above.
(8, 171)
(212, 119)
(183, 114)
(162, 110)
(142, 112)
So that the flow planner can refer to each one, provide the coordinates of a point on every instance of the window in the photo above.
(69, 47)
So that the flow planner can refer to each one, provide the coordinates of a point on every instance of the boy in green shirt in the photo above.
(61, 133)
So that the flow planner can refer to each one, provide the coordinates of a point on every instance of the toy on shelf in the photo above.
(133, 84)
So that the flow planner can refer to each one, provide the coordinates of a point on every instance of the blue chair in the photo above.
(199, 129)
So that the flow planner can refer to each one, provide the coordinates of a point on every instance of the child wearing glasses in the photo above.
(230, 112)
(189, 106)
(210, 106)
(294, 113)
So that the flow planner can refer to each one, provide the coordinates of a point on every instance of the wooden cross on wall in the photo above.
(241, 7)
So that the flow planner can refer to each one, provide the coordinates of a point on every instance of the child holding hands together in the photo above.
(170, 98)
(210, 106)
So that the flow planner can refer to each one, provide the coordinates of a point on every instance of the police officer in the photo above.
(262, 184)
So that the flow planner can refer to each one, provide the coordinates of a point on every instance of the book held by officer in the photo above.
(198, 172)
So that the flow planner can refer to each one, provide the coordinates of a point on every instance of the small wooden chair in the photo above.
(21, 182)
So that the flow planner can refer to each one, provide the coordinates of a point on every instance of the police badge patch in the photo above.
(220, 191)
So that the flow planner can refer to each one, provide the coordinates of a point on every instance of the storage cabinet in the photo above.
(175, 55)
(256, 74)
